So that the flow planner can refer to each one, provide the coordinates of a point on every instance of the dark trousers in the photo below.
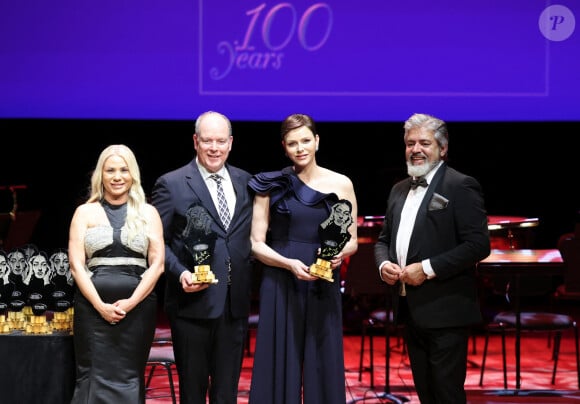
(208, 355)
(439, 363)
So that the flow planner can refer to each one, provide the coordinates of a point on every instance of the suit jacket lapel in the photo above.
(199, 188)
(397, 209)
(422, 213)
(239, 191)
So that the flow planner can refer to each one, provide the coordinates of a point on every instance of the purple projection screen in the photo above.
(369, 60)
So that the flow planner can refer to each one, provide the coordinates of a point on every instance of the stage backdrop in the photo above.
(369, 60)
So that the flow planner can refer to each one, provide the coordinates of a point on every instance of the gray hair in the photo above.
(429, 122)
(205, 114)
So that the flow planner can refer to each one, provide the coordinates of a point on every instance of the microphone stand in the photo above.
(386, 394)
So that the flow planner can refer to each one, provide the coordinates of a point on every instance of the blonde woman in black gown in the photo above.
(116, 255)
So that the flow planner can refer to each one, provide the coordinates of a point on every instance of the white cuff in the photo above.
(427, 269)
(380, 266)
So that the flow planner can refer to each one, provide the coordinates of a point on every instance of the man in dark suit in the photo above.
(208, 318)
(434, 233)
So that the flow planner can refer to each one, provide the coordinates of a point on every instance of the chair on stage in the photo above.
(569, 247)
(364, 285)
(377, 319)
(504, 322)
(534, 318)
(161, 355)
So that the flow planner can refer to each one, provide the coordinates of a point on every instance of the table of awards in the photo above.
(38, 357)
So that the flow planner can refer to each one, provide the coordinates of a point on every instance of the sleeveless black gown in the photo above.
(111, 359)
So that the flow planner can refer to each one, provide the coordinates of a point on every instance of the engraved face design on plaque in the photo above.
(18, 265)
(18, 270)
(6, 286)
(199, 241)
(39, 288)
(334, 235)
(62, 295)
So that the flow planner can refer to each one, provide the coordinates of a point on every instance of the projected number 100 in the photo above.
(269, 55)
(268, 22)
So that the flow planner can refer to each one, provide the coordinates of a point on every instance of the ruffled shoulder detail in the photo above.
(267, 182)
(279, 184)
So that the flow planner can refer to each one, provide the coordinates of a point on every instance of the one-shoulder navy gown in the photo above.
(299, 349)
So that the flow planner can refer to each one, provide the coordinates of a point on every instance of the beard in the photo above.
(421, 170)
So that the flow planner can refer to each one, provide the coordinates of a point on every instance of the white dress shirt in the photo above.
(408, 216)
(226, 185)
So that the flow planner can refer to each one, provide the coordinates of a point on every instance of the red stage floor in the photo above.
(536, 368)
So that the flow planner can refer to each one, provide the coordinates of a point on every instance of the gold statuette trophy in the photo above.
(334, 235)
(200, 242)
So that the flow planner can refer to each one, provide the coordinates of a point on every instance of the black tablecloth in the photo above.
(36, 368)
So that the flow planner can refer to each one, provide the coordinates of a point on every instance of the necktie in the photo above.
(419, 182)
(223, 209)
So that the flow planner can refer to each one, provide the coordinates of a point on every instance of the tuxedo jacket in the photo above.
(451, 230)
(173, 194)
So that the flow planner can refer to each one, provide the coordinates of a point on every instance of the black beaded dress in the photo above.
(111, 359)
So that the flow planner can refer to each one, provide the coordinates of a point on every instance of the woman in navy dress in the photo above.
(299, 351)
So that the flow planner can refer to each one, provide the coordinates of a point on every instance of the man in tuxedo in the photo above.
(208, 319)
(434, 233)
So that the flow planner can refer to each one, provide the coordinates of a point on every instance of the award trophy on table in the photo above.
(63, 291)
(39, 291)
(200, 242)
(6, 288)
(4, 328)
(334, 234)
(18, 268)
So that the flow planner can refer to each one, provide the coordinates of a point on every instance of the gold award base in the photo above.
(203, 274)
(38, 325)
(322, 270)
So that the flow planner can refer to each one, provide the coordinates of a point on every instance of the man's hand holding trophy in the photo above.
(200, 242)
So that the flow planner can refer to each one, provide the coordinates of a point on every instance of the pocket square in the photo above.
(438, 202)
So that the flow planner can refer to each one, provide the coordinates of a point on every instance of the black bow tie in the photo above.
(419, 182)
